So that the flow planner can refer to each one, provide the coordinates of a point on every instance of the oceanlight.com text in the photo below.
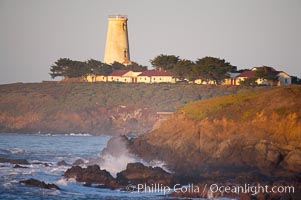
(251, 189)
(211, 188)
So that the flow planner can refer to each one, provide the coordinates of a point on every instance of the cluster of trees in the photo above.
(207, 68)
(68, 68)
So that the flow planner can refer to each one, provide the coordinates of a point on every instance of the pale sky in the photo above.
(246, 33)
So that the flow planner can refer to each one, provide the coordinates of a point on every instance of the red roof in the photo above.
(247, 73)
(266, 68)
(156, 73)
(118, 72)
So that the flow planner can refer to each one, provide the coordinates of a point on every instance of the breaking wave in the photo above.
(115, 157)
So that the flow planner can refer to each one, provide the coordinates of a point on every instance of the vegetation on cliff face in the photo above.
(256, 132)
(97, 108)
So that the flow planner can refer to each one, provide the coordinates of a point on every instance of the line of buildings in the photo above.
(279, 78)
(128, 76)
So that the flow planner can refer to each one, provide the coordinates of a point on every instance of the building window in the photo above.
(125, 53)
(285, 80)
(145, 78)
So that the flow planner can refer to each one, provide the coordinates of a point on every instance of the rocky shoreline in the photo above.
(142, 179)
(134, 174)
(139, 178)
(155, 178)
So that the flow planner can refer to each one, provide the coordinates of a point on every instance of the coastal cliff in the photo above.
(255, 135)
(96, 108)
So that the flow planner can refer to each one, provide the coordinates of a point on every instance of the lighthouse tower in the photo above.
(117, 44)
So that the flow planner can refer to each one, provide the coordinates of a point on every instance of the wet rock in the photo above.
(137, 173)
(91, 175)
(78, 162)
(19, 166)
(42, 163)
(62, 163)
(46, 164)
(14, 161)
(293, 161)
(41, 184)
(273, 156)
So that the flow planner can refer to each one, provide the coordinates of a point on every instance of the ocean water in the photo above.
(50, 149)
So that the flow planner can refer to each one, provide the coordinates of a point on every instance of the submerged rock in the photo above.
(41, 184)
(14, 161)
(42, 163)
(62, 163)
(137, 173)
(78, 162)
(19, 166)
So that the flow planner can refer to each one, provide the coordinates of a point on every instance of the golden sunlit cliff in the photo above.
(252, 133)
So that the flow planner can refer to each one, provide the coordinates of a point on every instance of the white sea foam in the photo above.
(57, 169)
(78, 134)
(72, 180)
(53, 192)
(117, 164)
(7, 185)
(62, 182)
(159, 163)
(17, 150)
(67, 134)
(13, 172)
(116, 157)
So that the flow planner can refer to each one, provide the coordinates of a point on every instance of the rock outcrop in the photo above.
(233, 137)
(91, 175)
(41, 184)
(137, 173)
(78, 162)
(62, 163)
